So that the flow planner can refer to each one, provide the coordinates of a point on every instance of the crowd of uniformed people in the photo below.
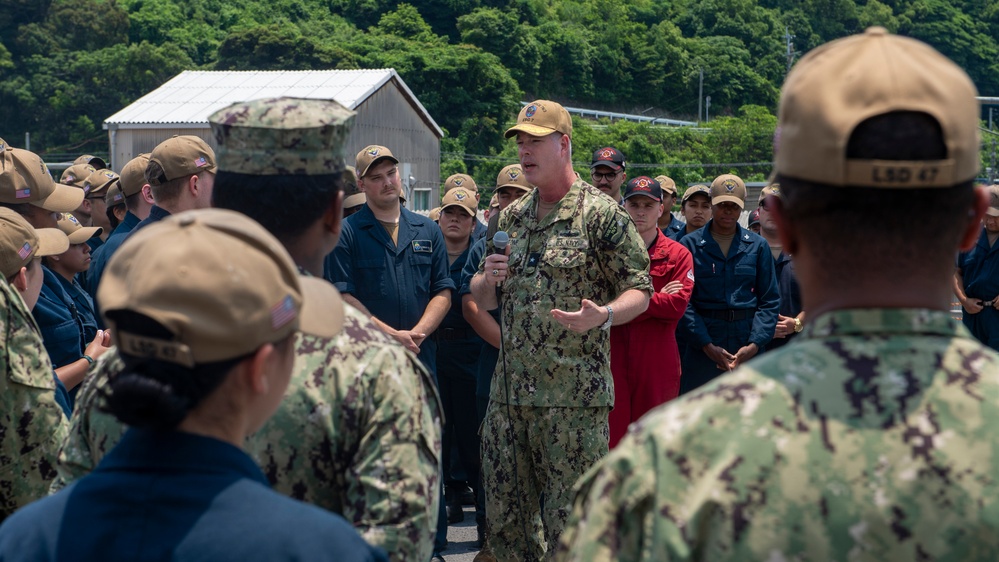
(174, 348)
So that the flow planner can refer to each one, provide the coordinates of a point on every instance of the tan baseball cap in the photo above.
(181, 156)
(98, 183)
(993, 208)
(772, 189)
(435, 214)
(133, 175)
(728, 188)
(541, 118)
(95, 162)
(114, 196)
(460, 197)
(352, 195)
(463, 181)
(494, 201)
(694, 190)
(24, 178)
(76, 175)
(368, 156)
(513, 176)
(219, 282)
(837, 86)
(667, 184)
(20, 243)
(76, 232)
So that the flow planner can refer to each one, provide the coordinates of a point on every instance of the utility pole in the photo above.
(700, 92)
(789, 46)
(707, 109)
(992, 167)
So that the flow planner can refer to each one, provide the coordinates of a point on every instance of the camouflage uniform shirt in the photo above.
(870, 437)
(32, 424)
(358, 433)
(587, 247)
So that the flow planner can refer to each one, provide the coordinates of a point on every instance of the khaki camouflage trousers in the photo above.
(531, 458)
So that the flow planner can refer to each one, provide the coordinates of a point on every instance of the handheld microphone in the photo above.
(500, 241)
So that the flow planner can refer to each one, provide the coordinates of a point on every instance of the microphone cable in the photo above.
(511, 435)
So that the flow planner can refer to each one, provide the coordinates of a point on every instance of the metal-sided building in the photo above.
(388, 113)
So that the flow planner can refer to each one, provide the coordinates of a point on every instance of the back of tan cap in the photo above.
(217, 280)
(24, 178)
(181, 156)
(837, 86)
(133, 175)
(20, 242)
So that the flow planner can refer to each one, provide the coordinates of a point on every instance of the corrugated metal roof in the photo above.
(191, 96)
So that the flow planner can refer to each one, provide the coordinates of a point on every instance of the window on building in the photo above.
(421, 199)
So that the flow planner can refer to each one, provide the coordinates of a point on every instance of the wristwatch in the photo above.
(610, 318)
(798, 326)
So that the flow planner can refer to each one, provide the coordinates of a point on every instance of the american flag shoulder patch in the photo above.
(283, 312)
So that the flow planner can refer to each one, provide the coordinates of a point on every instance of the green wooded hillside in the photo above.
(65, 65)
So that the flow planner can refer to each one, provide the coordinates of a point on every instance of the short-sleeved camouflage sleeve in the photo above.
(32, 424)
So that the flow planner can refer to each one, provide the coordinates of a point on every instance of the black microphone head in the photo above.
(500, 240)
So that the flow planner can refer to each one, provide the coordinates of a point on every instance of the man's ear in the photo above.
(147, 194)
(192, 185)
(20, 280)
(257, 368)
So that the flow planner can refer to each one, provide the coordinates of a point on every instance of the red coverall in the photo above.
(645, 360)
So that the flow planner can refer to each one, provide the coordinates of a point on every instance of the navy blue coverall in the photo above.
(674, 229)
(734, 303)
(393, 281)
(979, 269)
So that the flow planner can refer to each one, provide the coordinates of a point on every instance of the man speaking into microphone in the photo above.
(574, 266)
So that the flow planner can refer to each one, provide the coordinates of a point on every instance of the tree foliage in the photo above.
(66, 65)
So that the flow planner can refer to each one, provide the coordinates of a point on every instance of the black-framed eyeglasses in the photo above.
(597, 176)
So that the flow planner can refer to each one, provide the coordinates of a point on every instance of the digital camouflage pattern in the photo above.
(558, 443)
(32, 424)
(358, 433)
(587, 247)
(869, 437)
(92, 432)
(282, 136)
